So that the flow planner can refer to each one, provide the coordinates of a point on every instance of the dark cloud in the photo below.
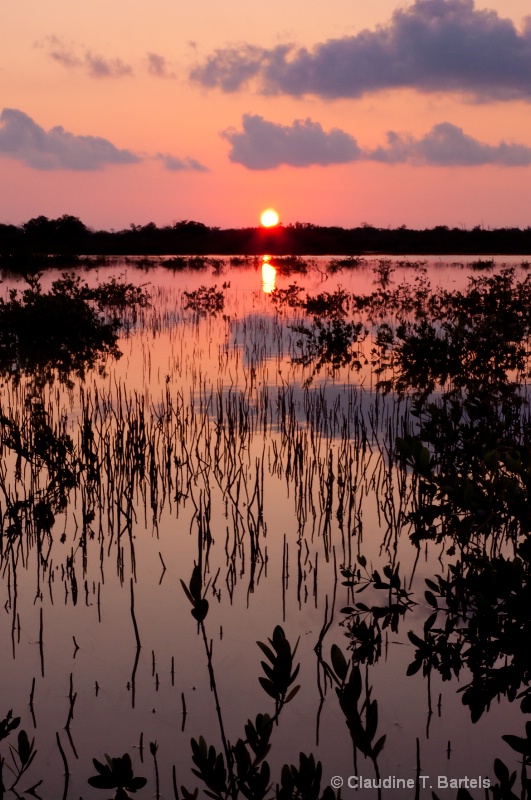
(266, 145)
(231, 68)
(175, 164)
(433, 45)
(100, 67)
(22, 139)
(158, 66)
(66, 58)
(447, 145)
(72, 57)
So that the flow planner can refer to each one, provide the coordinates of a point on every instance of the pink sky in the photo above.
(342, 112)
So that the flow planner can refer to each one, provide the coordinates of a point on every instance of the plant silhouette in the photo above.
(241, 768)
(117, 774)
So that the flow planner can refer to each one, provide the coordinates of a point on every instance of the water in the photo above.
(217, 439)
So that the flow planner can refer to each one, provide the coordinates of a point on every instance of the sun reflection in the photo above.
(269, 275)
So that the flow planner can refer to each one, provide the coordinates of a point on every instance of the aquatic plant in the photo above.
(383, 270)
(365, 623)
(8, 724)
(117, 774)
(329, 344)
(52, 331)
(205, 300)
(21, 756)
(288, 297)
(242, 768)
(60, 331)
(115, 294)
(484, 628)
(287, 265)
(332, 305)
(482, 263)
(349, 262)
(361, 715)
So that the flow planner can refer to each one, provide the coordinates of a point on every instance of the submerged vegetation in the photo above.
(350, 470)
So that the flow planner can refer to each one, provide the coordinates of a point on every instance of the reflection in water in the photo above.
(321, 508)
(269, 275)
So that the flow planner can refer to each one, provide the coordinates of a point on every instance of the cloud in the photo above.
(266, 145)
(431, 46)
(263, 145)
(96, 66)
(447, 145)
(158, 66)
(175, 164)
(22, 139)
(232, 68)
(62, 54)
(100, 67)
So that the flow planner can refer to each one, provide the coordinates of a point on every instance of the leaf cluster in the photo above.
(304, 782)
(117, 773)
(366, 622)
(486, 626)
(361, 715)
(8, 724)
(280, 673)
(194, 593)
(252, 776)
(207, 300)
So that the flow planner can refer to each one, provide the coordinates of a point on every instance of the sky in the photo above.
(344, 112)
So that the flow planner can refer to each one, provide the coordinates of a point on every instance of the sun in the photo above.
(269, 218)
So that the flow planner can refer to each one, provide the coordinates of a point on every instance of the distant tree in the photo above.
(149, 228)
(66, 233)
(36, 225)
(190, 226)
(10, 236)
(70, 227)
(39, 233)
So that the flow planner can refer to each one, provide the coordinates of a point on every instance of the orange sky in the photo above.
(342, 112)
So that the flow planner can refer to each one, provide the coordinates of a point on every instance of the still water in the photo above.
(224, 438)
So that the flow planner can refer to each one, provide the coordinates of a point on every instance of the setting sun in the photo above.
(269, 218)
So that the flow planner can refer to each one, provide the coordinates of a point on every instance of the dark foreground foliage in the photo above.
(63, 331)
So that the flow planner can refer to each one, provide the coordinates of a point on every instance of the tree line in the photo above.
(69, 236)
